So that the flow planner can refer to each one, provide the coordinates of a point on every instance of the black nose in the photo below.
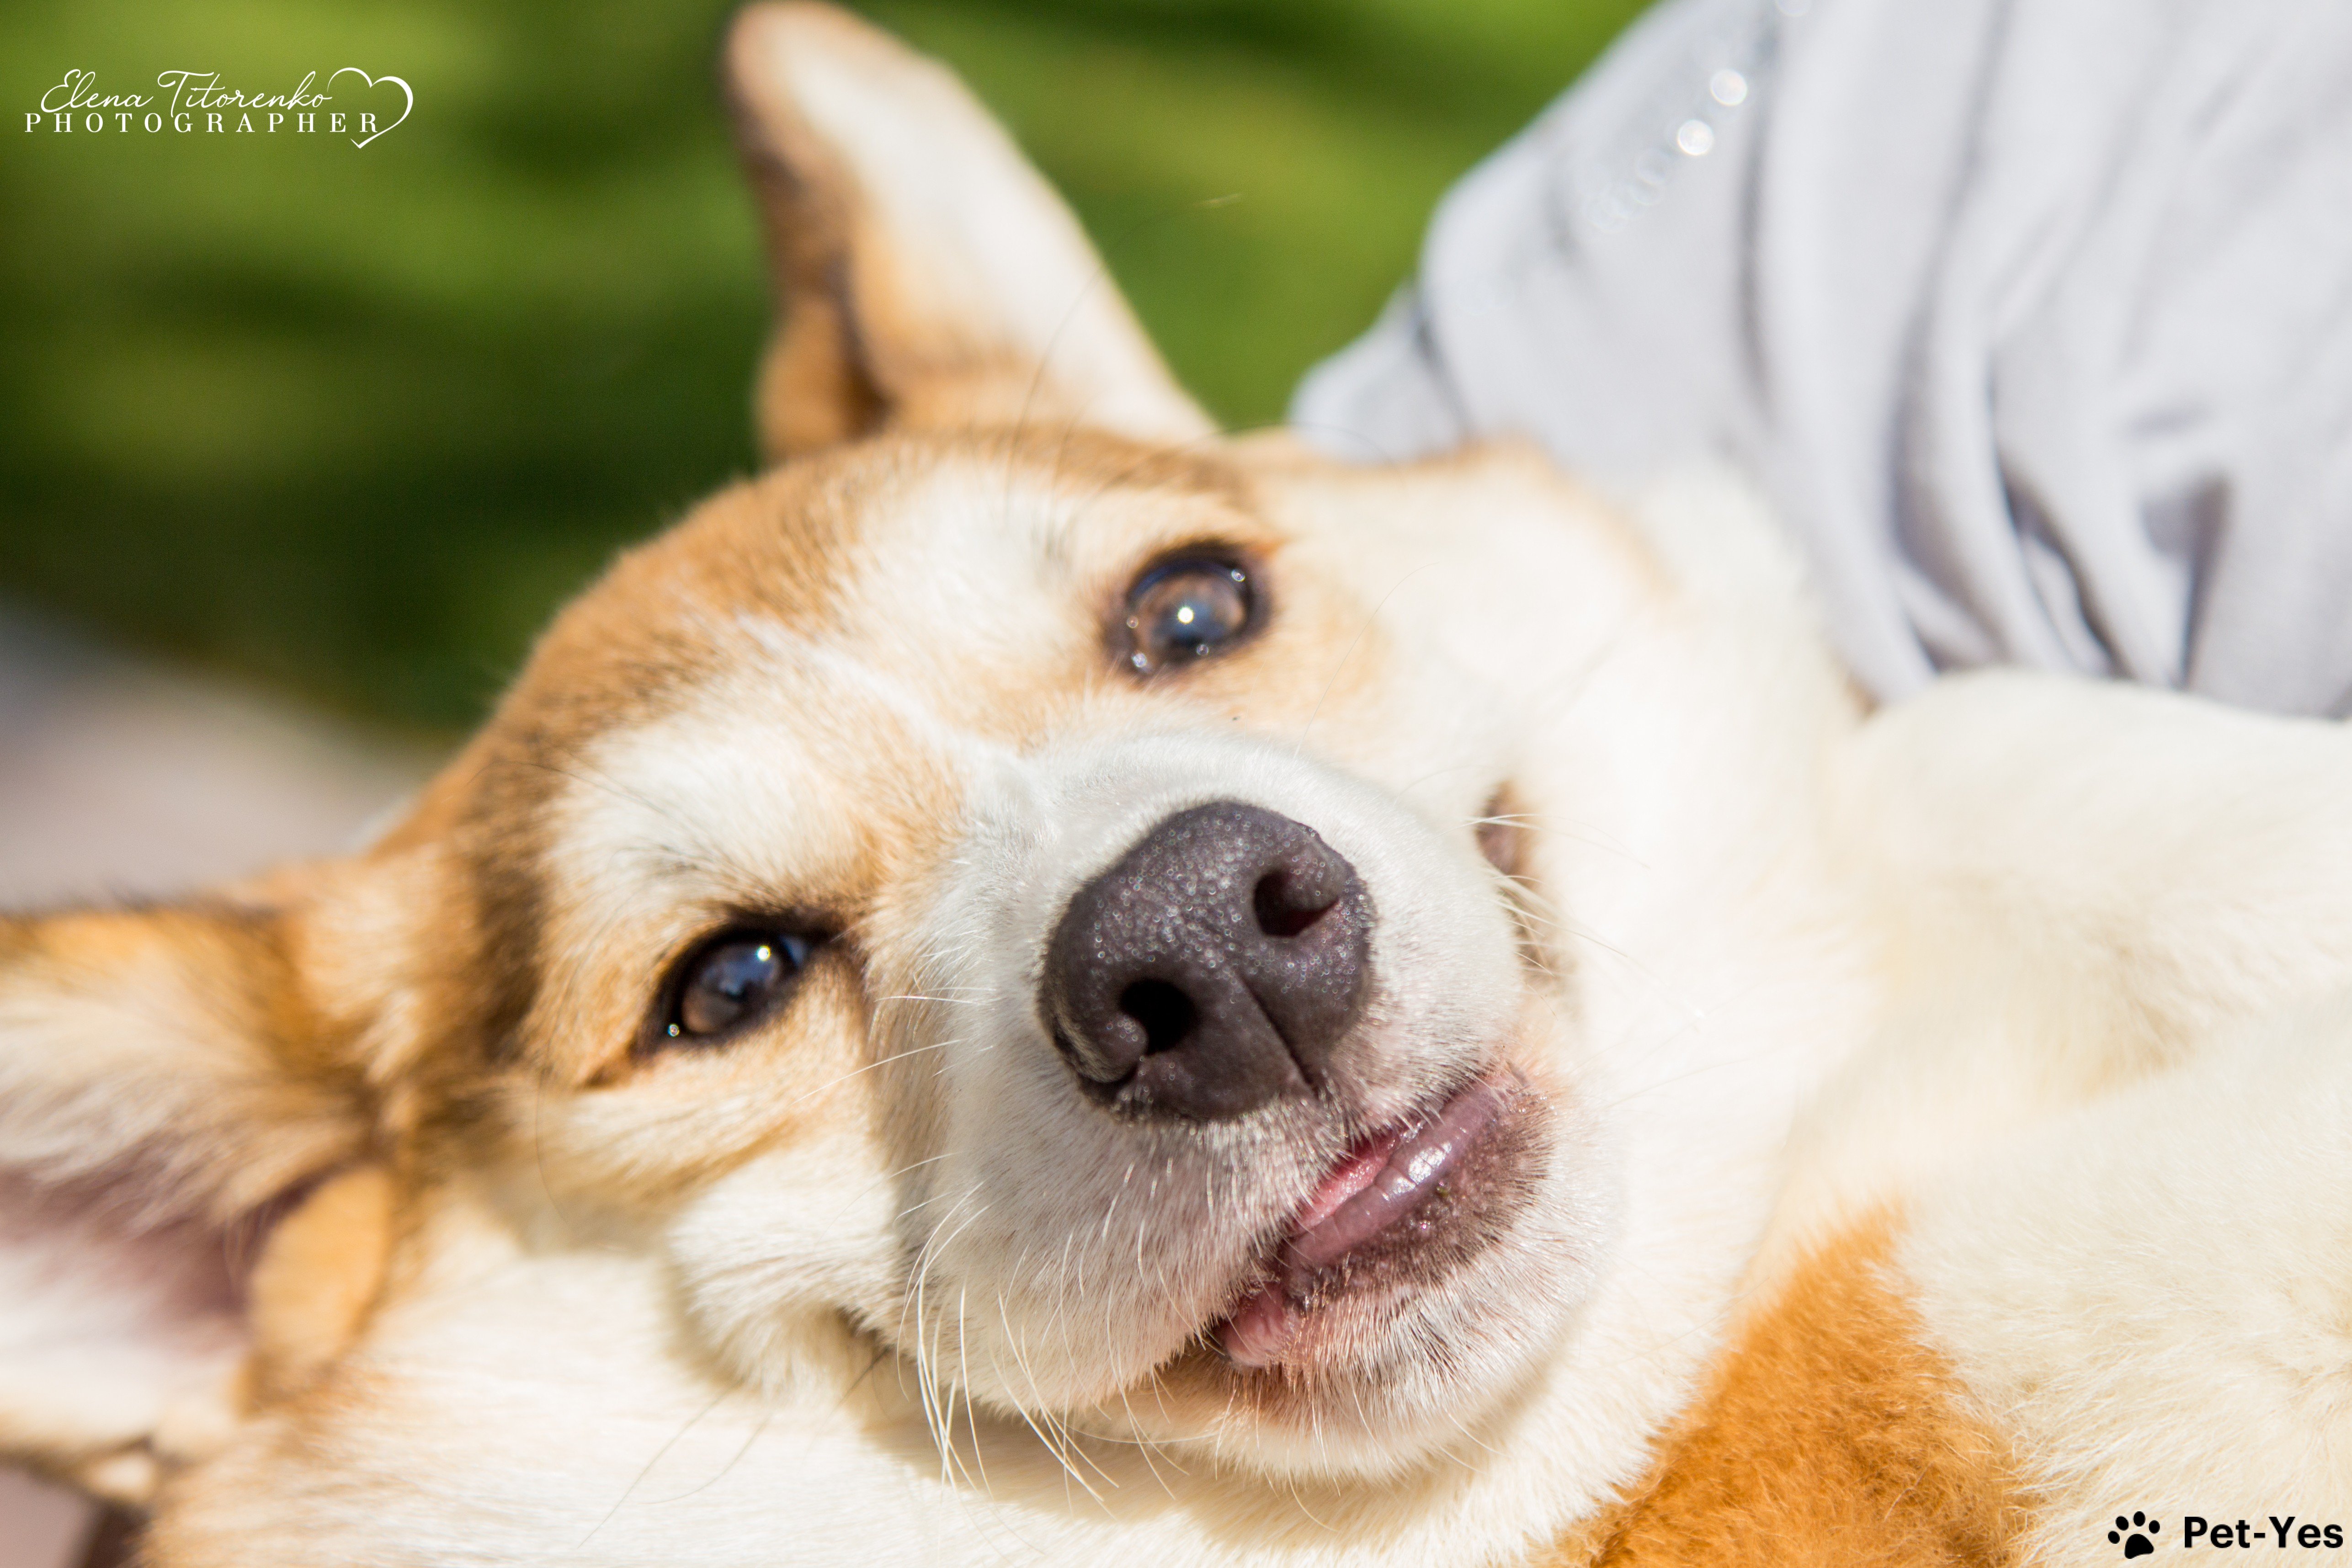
(1213, 969)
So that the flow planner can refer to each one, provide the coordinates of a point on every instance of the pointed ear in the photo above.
(178, 1109)
(926, 274)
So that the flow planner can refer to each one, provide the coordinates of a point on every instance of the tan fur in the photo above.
(869, 337)
(317, 1276)
(1833, 1439)
(258, 1053)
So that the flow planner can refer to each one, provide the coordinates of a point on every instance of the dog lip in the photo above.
(1382, 1178)
(1361, 1198)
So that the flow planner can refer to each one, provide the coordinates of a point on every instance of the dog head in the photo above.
(1149, 936)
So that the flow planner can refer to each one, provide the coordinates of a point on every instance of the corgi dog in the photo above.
(1035, 984)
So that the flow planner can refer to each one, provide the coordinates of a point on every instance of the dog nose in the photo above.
(1215, 967)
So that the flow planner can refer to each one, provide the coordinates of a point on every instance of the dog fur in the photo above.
(1928, 1124)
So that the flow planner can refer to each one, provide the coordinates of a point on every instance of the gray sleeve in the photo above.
(2034, 319)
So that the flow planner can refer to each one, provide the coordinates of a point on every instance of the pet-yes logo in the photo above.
(350, 103)
(2138, 1534)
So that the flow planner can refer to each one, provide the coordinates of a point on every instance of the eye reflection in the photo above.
(1186, 609)
(730, 982)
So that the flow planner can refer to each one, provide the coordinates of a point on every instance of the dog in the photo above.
(1036, 984)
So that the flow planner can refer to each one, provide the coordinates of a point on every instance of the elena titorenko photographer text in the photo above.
(350, 103)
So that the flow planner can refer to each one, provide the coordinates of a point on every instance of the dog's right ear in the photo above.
(926, 274)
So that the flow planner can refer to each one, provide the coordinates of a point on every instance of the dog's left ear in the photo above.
(192, 1215)
(927, 275)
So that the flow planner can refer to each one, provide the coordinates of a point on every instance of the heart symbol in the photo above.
(377, 81)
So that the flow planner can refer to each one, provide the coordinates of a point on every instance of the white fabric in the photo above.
(2033, 317)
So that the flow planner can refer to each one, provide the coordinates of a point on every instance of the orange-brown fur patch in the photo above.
(815, 388)
(247, 1047)
(1833, 1437)
(863, 344)
(317, 1277)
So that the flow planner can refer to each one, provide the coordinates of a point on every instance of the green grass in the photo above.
(351, 421)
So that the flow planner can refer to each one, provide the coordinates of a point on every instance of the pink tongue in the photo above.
(1254, 1335)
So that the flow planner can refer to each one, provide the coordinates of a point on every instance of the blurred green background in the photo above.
(351, 421)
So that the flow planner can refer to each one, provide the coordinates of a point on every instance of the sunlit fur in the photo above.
(1933, 1118)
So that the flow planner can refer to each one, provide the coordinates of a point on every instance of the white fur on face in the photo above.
(951, 1187)
(1098, 1249)
(908, 1150)
(1025, 1247)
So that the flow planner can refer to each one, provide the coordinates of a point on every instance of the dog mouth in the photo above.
(1399, 1209)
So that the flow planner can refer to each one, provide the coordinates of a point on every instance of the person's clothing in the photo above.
(2033, 317)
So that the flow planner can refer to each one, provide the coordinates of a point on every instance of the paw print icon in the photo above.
(2134, 1533)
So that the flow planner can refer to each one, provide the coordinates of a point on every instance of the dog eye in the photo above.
(731, 981)
(1186, 609)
